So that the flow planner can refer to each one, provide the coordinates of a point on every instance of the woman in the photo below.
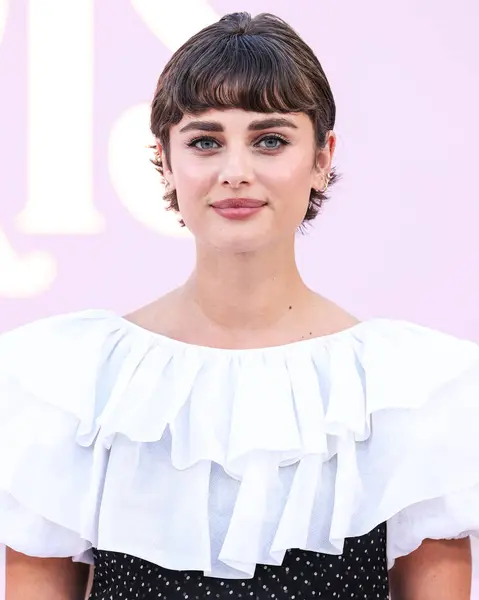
(241, 436)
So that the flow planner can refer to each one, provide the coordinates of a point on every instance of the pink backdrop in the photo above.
(81, 218)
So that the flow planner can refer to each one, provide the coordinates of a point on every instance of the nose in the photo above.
(236, 169)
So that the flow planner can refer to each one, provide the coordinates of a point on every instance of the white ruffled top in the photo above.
(197, 458)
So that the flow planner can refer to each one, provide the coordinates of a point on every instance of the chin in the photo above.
(237, 242)
(231, 236)
(244, 246)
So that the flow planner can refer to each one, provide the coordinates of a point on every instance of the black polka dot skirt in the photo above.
(359, 573)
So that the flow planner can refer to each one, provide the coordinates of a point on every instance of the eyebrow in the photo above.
(259, 125)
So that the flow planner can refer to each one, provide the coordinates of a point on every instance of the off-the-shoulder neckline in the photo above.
(179, 344)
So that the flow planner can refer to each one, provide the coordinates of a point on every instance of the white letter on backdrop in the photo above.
(135, 180)
(60, 122)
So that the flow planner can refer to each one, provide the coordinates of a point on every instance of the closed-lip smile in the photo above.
(238, 203)
(238, 209)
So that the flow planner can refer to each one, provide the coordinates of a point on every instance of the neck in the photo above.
(246, 291)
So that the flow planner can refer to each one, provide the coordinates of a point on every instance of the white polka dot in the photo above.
(360, 572)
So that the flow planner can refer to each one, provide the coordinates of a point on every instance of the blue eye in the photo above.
(273, 142)
(204, 143)
(268, 142)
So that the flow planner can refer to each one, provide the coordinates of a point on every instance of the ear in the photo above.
(167, 173)
(323, 162)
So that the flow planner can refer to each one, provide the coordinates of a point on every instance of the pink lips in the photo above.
(237, 208)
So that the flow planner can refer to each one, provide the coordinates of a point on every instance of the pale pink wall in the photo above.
(399, 236)
(81, 223)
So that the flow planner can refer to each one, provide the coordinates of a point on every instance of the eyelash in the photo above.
(192, 143)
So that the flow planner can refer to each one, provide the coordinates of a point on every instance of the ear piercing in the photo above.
(328, 179)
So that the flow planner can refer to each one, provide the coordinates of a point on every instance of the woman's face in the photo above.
(243, 179)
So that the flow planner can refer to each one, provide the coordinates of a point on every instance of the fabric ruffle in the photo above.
(196, 458)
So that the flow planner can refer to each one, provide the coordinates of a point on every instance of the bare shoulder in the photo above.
(30, 578)
(159, 315)
(331, 318)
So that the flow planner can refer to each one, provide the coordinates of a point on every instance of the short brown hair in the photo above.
(259, 64)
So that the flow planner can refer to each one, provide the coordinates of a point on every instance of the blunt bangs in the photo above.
(245, 73)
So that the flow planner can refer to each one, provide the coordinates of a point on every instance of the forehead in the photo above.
(239, 119)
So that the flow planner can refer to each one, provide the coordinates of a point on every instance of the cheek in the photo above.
(189, 176)
(193, 181)
(293, 174)
(290, 184)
